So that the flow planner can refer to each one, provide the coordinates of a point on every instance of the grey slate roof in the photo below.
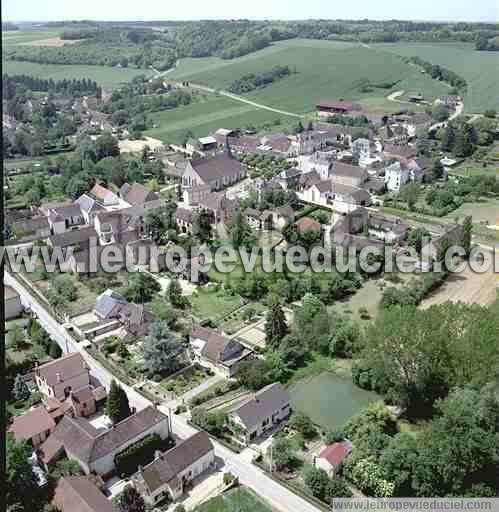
(88, 444)
(88, 204)
(219, 166)
(166, 467)
(266, 402)
(108, 303)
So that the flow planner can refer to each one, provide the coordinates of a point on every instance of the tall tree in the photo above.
(20, 483)
(117, 406)
(241, 233)
(161, 350)
(130, 500)
(448, 138)
(174, 294)
(141, 287)
(275, 326)
(20, 390)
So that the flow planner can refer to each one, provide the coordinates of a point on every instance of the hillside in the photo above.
(322, 69)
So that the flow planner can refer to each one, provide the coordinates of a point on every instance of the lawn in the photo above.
(105, 76)
(479, 69)
(209, 114)
(475, 169)
(324, 70)
(16, 37)
(207, 303)
(237, 500)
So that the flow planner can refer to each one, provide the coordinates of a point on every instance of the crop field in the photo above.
(105, 76)
(479, 69)
(321, 70)
(204, 117)
(28, 36)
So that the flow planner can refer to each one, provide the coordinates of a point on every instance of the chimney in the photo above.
(58, 377)
(158, 454)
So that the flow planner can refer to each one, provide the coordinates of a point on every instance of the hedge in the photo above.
(139, 454)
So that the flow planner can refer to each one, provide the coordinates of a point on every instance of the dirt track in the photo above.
(468, 287)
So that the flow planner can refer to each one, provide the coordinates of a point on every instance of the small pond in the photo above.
(329, 400)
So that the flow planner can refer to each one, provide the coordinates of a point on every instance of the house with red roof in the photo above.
(307, 224)
(333, 455)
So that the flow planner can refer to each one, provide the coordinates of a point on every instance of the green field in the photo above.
(324, 70)
(479, 69)
(27, 36)
(105, 76)
(238, 500)
(208, 115)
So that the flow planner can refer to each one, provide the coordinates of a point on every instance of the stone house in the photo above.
(266, 409)
(346, 174)
(398, 175)
(65, 218)
(80, 494)
(76, 240)
(95, 450)
(33, 426)
(59, 377)
(184, 219)
(89, 207)
(218, 172)
(169, 473)
(137, 194)
(104, 196)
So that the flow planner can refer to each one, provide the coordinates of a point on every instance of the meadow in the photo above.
(321, 70)
(479, 69)
(104, 75)
(209, 114)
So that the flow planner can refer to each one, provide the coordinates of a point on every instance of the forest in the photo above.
(143, 47)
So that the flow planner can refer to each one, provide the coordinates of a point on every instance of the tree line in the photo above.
(252, 81)
(72, 87)
(438, 72)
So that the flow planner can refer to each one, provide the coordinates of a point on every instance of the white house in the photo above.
(266, 409)
(396, 177)
(167, 475)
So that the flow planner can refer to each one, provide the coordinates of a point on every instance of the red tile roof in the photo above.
(307, 224)
(335, 453)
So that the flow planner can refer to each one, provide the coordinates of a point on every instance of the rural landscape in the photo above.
(153, 171)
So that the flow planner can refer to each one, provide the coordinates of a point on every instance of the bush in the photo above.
(138, 454)
(303, 424)
(228, 478)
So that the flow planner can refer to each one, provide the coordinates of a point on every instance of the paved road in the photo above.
(239, 464)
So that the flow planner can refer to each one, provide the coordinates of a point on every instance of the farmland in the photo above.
(321, 69)
(208, 115)
(479, 69)
(104, 75)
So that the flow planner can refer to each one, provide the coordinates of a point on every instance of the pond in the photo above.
(329, 400)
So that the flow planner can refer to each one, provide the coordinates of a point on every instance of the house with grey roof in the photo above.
(216, 351)
(264, 411)
(89, 207)
(65, 218)
(217, 172)
(95, 449)
(169, 473)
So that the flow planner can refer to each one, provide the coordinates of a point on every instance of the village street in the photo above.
(239, 464)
